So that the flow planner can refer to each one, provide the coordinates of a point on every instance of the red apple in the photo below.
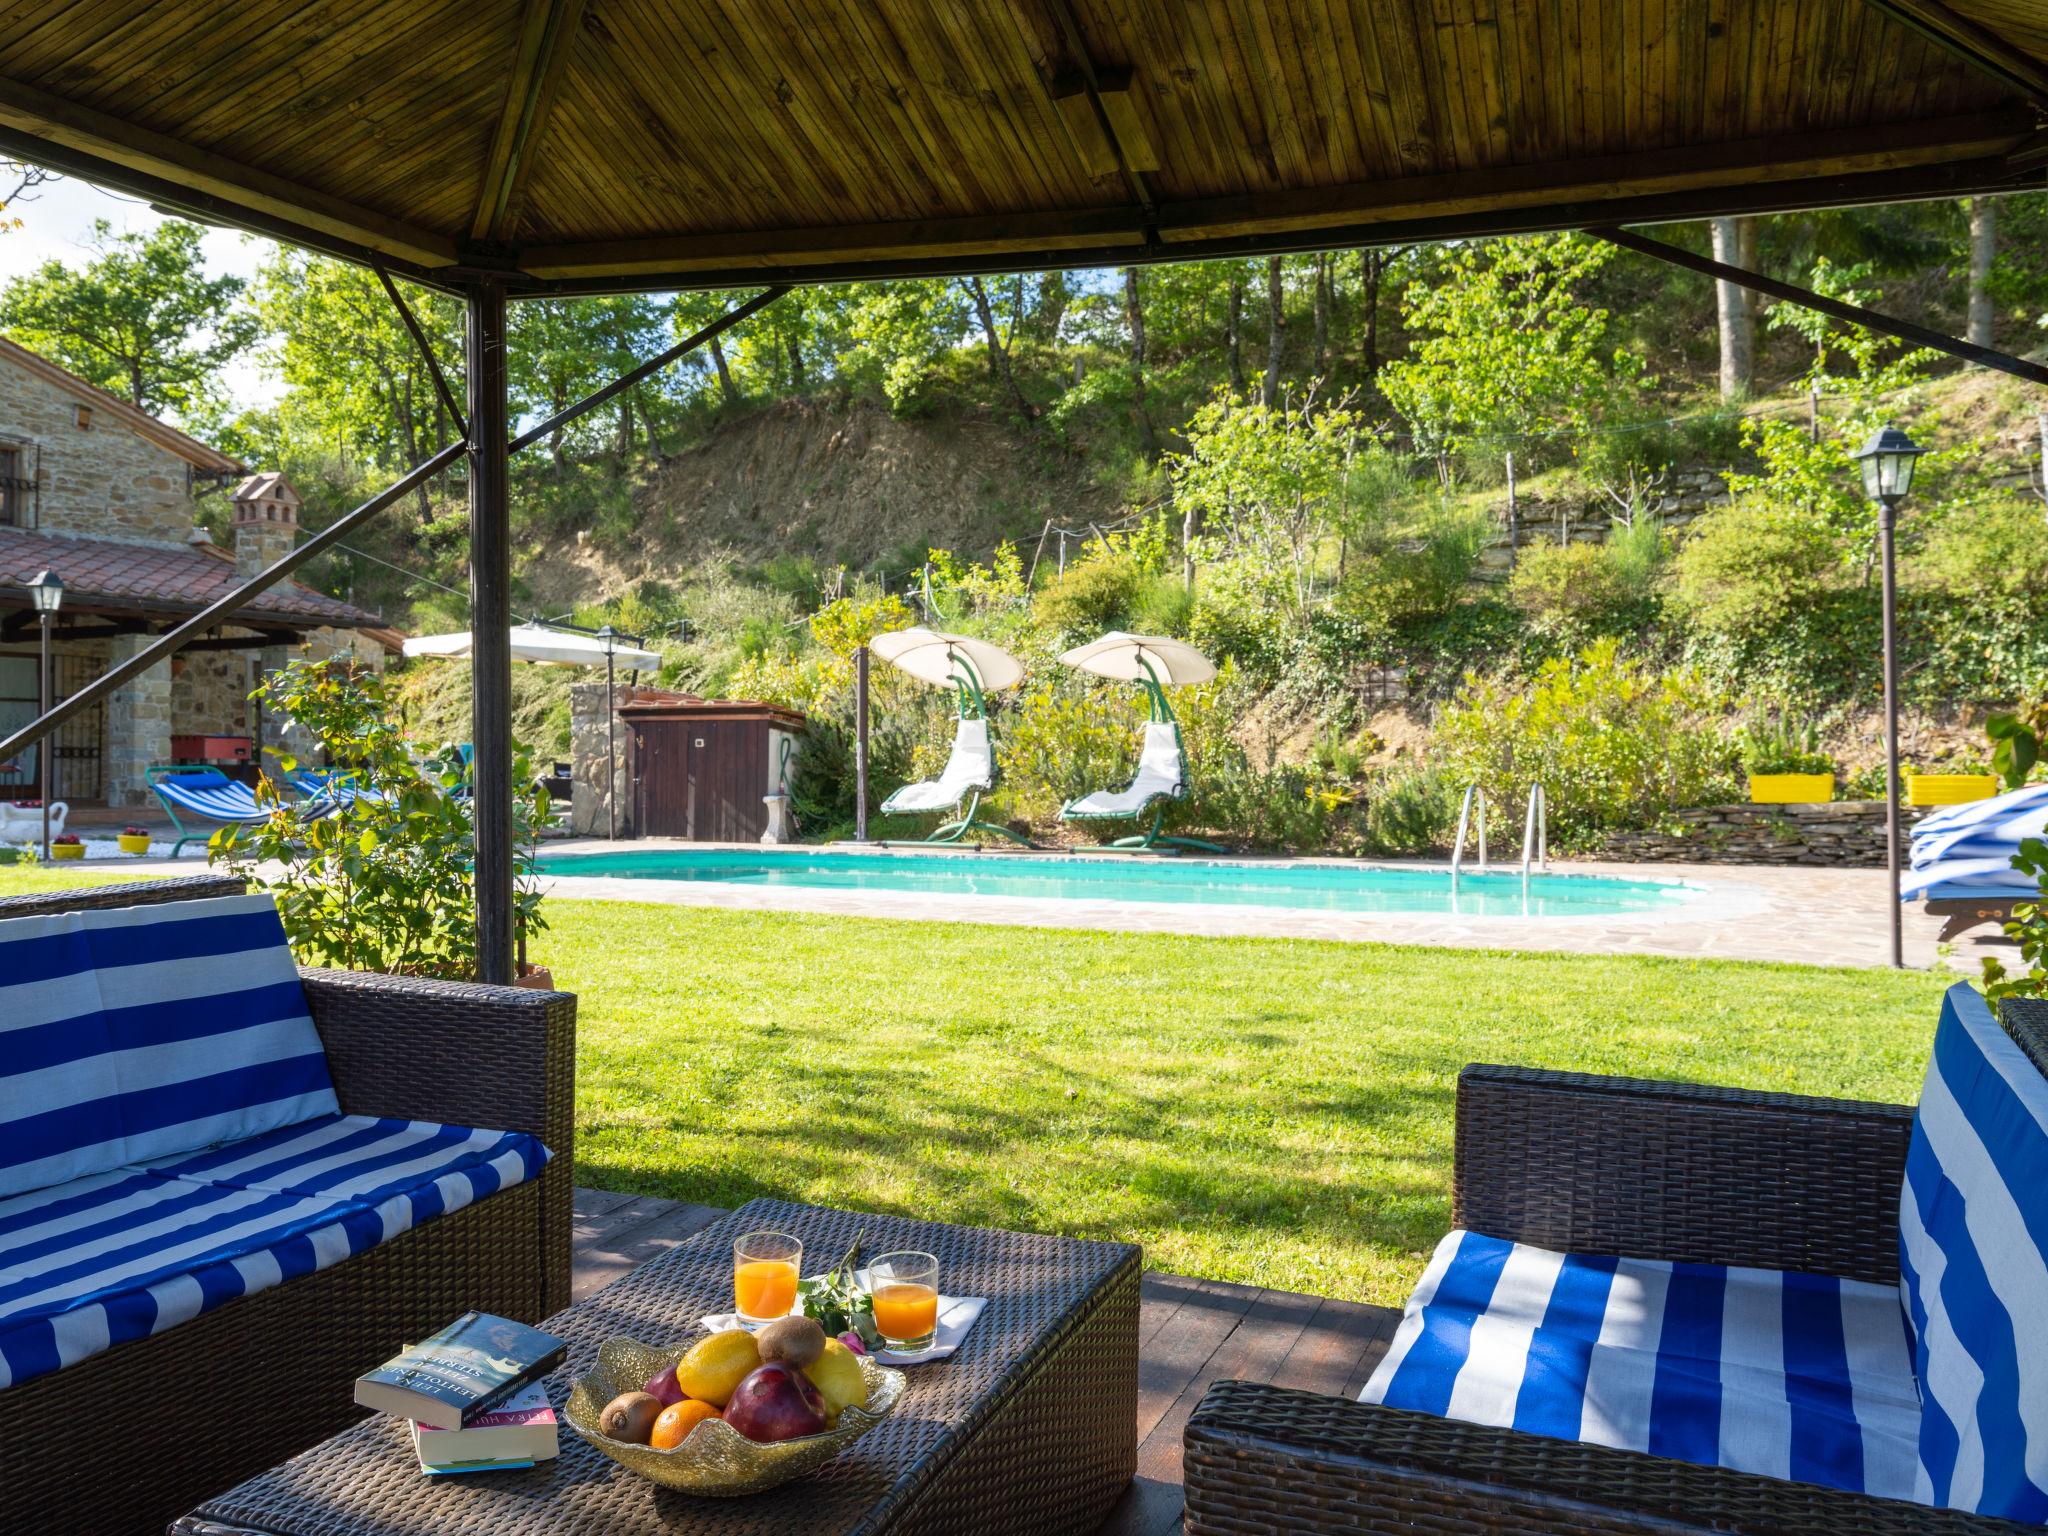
(776, 1402)
(663, 1389)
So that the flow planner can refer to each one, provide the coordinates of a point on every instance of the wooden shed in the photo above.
(701, 768)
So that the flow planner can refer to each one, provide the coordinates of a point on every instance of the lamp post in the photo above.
(47, 593)
(1887, 461)
(610, 637)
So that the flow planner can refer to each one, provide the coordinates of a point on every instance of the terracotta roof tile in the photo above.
(115, 574)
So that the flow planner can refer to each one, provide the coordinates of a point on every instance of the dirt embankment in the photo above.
(835, 483)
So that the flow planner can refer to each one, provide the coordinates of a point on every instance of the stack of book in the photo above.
(474, 1395)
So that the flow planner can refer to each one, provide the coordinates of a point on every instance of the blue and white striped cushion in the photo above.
(1973, 1229)
(117, 1256)
(1787, 1375)
(139, 1032)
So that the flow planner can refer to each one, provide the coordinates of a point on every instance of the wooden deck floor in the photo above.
(1190, 1333)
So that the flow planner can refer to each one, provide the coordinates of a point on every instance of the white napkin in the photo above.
(957, 1314)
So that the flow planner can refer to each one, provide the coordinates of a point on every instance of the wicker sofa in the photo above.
(1607, 1166)
(128, 1439)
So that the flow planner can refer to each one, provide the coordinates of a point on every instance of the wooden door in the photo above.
(661, 778)
(728, 767)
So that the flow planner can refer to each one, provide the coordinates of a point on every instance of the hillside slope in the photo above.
(837, 483)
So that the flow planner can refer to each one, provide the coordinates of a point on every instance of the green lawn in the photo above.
(1256, 1110)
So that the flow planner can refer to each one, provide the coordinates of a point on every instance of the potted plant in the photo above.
(1785, 765)
(66, 846)
(134, 840)
(1949, 788)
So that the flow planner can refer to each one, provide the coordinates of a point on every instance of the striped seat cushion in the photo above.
(120, 1255)
(1788, 1375)
(1973, 1229)
(139, 1032)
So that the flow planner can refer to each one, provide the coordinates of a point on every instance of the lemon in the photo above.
(836, 1374)
(712, 1369)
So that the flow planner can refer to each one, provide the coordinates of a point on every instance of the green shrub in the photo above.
(383, 881)
(1747, 569)
(1412, 810)
(1089, 597)
(1613, 742)
(1164, 605)
(1413, 580)
(1063, 739)
(2028, 928)
(1780, 744)
(1576, 586)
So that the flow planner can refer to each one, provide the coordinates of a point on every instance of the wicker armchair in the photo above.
(1593, 1165)
(132, 1437)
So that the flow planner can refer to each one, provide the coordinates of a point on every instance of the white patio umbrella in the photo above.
(931, 656)
(1126, 657)
(543, 647)
(560, 648)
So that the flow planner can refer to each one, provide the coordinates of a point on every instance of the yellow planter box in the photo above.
(67, 850)
(133, 844)
(1791, 788)
(1949, 788)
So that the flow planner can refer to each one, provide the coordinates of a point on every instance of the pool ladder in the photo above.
(1535, 830)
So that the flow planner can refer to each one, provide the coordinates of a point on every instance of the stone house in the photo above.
(107, 497)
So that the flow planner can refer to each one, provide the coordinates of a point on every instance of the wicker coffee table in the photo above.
(1030, 1427)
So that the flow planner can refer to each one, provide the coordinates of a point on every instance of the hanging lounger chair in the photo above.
(1162, 776)
(973, 669)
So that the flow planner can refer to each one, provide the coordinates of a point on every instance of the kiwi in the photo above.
(796, 1341)
(630, 1417)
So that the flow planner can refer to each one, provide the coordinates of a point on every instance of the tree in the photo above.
(1276, 334)
(1506, 346)
(1134, 316)
(1735, 246)
(1266, 483)
(1233, 328)
(559, 350)
(999, 369)
(357, 380)
(1983, 216)
(141, 319)
(18, 182)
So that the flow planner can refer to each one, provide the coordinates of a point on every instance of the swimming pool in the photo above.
(1318, 887)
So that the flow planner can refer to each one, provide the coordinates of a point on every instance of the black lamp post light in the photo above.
(46, 592)
(1888, 460)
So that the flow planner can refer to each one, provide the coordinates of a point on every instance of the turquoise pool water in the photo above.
(1110, 877)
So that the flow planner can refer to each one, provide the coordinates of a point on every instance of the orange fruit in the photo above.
(677, 1420)
(713, 1367)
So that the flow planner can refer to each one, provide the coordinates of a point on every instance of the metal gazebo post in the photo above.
(490, 602)
(611, 744)
(47, 593)
(1887, 461)
(860, 744)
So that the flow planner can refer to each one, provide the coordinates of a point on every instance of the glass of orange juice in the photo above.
(765, 1266)
(905, 1290)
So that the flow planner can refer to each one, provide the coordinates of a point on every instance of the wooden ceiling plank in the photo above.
(1533, 84)
(1273, 42)
(301, 72)
(174, 74)
(828, 55)
(1487, 81)
(547, 33)
(1342, 128)
(942, 39)
(585, 189)
(1365, 80)
(1972, 42)
(22, 21)
(1227, 155)
(1599, 179)
(36, 111)
(1253, 111)
(928, 137)
(1015, 71)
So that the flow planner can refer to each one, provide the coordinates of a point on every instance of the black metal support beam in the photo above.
(419, 339)
(1853, 314)
(224, 610)
(490, 622)
(653, 365)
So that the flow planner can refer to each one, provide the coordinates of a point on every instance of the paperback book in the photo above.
(517, 1433)
(468, 1368)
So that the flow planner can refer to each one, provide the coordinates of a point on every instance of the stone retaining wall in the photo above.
(1845, 834)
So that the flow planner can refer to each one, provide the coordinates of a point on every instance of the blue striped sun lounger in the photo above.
(205, 793)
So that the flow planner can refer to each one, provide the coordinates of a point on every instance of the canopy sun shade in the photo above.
(592, 145)
(1126, 658)
(933, 656)
(545, 647)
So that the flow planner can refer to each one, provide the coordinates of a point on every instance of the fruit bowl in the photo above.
(716, 1460)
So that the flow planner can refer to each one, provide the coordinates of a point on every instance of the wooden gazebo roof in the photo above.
(576, 145)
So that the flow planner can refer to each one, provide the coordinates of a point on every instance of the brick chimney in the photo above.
(266, 522)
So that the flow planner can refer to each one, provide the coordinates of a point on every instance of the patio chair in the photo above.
(207, 1374)
(970, 773)
(206, 793)
(1161, 779)
(1669, 1308)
